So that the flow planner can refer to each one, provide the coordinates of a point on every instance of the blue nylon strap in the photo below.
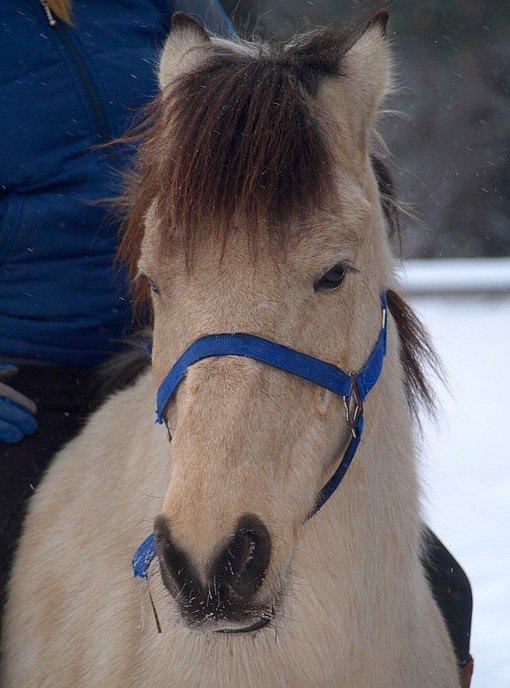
(369, 374)
(278, 356)
(307, 367)
(262, 350)
(340, 472)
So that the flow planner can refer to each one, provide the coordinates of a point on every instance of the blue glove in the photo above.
(16, 410)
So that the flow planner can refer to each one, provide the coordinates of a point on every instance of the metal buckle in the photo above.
(384, 317)
(352, 417)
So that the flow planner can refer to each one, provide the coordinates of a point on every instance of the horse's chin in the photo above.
(251, 628)
(234, 627)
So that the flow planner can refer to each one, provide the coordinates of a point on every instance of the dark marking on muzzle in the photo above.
(233, 578)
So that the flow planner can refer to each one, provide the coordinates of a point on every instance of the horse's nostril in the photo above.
(242, 565)
(247, 545)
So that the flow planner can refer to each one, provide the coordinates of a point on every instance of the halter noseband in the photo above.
(348, 386)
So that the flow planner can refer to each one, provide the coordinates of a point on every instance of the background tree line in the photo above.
(451, 143)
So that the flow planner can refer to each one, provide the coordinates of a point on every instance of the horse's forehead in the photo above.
(319, 238)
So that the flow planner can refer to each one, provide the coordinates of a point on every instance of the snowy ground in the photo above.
(466, 465)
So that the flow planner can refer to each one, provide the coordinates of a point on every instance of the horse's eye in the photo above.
(154, 287)
(332, 279)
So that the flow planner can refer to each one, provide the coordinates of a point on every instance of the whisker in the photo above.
(147, 494)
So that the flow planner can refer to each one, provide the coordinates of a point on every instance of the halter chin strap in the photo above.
(351, 387)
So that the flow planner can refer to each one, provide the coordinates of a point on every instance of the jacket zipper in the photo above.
(49, 14)
(94, 98)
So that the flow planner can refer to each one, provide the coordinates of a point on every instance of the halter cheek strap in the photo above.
(351, 387)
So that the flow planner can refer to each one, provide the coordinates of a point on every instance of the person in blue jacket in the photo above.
(73, 73)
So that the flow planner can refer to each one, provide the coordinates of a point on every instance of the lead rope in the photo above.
(153, 606)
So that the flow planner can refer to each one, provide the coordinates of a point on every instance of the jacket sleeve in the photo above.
(210, 13)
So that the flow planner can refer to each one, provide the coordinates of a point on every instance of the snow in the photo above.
(458, 275)
(466, 454)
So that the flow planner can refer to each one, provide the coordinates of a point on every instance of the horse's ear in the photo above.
(366, 64)
(183, 48)
(350, 69)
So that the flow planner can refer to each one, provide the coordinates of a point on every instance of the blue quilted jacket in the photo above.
(63, 90)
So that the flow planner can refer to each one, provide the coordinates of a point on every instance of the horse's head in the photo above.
(257, 211)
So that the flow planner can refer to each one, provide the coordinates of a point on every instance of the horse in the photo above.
(258, 206)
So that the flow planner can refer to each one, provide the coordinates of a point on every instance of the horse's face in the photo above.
(253, 446)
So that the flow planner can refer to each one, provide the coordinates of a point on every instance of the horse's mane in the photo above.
(417, 356)
(246, 142)
(235, 139)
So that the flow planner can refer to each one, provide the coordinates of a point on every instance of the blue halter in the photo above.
(353, 386)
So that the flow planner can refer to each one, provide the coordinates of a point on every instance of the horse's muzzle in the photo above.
(233, 578)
